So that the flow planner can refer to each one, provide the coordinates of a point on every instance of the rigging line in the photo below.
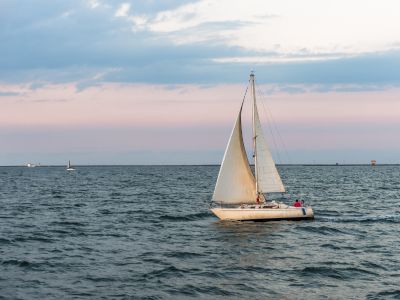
(244, 97)
(281, 140)
(256, 170)
(275, 136)
(274, 139)
(270, 127)
(245, 93)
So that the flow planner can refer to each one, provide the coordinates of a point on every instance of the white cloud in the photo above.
(123, 10)
(279, 58)
(139, 22)
(284, 27)
(66, 14)
(93, 3)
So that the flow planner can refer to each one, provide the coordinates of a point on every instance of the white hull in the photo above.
(263, 214)
(70, 169)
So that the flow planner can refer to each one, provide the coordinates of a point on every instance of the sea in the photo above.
(146, 232)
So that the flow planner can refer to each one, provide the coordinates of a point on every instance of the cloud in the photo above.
(203, 42)
(287, 27)
(192, 118)
(277, 59)
(9, 94)
(93, 3)
(94, 80)
(174, 105)
(123, 10)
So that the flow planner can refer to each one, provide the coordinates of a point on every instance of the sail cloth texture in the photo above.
(268, 179)
(235, 183)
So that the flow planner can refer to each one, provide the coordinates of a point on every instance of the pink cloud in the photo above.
(141, 105)
(197, 117)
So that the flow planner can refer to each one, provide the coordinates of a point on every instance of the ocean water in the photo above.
(145, 232)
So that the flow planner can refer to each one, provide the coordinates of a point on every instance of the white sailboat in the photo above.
(69, 168)
(239, 193)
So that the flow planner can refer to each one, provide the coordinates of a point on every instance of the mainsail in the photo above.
(235, 183)
(268, 179)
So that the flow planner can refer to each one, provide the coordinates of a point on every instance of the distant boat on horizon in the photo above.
(240, 194)
(30, 165)
(69, 167)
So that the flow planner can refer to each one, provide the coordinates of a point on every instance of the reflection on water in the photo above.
(246, 230)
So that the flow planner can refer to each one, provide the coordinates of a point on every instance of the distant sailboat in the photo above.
(240, 194)
(69, 168)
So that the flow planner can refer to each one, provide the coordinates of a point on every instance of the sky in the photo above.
(161, 82)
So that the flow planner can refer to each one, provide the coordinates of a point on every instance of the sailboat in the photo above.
(239, 194)
(69, 168)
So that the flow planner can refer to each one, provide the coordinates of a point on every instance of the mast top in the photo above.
(252, 73)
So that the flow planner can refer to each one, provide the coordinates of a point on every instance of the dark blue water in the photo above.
(145, 232)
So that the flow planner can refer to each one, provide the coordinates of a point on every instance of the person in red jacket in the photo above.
(297, 204)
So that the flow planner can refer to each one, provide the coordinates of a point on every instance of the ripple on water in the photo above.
(364, 219)
(146, 232)
(385, 294)
(186, 217)
(342, 273)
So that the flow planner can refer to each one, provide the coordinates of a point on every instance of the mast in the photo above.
(253, 92)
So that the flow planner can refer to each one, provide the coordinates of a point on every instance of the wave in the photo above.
(322, 229)
(69, 223)
(372, 265)
(182, 254)
(365, 219)
(36, 238)
(101, 279)
(195, 290)
(337, 273)
(16, 262)
(5, 241)
(332, 246)
(115, 194)
(24, 263)
(165, 272)
(189, 217)
(389, 294)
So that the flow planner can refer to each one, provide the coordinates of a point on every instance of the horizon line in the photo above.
(206, 165)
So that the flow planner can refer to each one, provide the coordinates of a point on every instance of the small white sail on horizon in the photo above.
(69, 167)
